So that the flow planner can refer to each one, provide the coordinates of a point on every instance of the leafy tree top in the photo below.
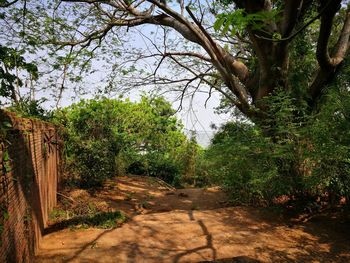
(254, 48)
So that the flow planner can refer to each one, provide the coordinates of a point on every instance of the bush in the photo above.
(165, 170)
(137, 168)
(95, 162)
(156, 165)
(239, 159)
(105, 138)
(290, 154)
(29, 108)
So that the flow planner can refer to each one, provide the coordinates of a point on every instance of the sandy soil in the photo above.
(193, 225)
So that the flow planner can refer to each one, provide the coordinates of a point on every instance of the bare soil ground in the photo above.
(193, 225)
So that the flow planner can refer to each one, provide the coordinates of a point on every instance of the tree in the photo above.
(12, 66)
(255, 49)
(11, 62)
(268, 29)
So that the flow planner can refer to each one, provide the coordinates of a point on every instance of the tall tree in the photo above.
(268, 30)
(254, 49)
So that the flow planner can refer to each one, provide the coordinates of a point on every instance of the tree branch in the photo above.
(322, 52)
(8, 4)
(291, 12)
(328, 64)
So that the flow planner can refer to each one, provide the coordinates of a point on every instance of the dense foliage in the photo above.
(279, 65)
(304, 159)
(107, 137)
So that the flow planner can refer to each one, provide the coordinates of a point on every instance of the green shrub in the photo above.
(137, 168)
(155, 165)
(239, 159)
(164, 169)
(98, 219)
(105, 138)
(288, 154)
(95, 162)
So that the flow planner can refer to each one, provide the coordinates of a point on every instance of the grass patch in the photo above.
(58, 214)
(103, 220)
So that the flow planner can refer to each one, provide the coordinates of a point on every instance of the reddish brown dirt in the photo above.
(193, 225)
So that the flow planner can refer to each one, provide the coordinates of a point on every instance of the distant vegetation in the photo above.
(108, 137)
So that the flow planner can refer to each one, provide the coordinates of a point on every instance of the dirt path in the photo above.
(192, 225)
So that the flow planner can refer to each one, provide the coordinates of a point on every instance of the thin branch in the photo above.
(65, 69)
(8, 4)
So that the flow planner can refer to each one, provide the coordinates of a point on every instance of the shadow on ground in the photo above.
(204, 234)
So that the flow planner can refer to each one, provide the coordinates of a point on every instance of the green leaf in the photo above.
(6, 156)
(5, 215)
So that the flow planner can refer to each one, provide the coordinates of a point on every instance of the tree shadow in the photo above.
(99, 220)
(208, 245)
(248, 235)
(239, 259)
(331, 229)
(324, 239)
